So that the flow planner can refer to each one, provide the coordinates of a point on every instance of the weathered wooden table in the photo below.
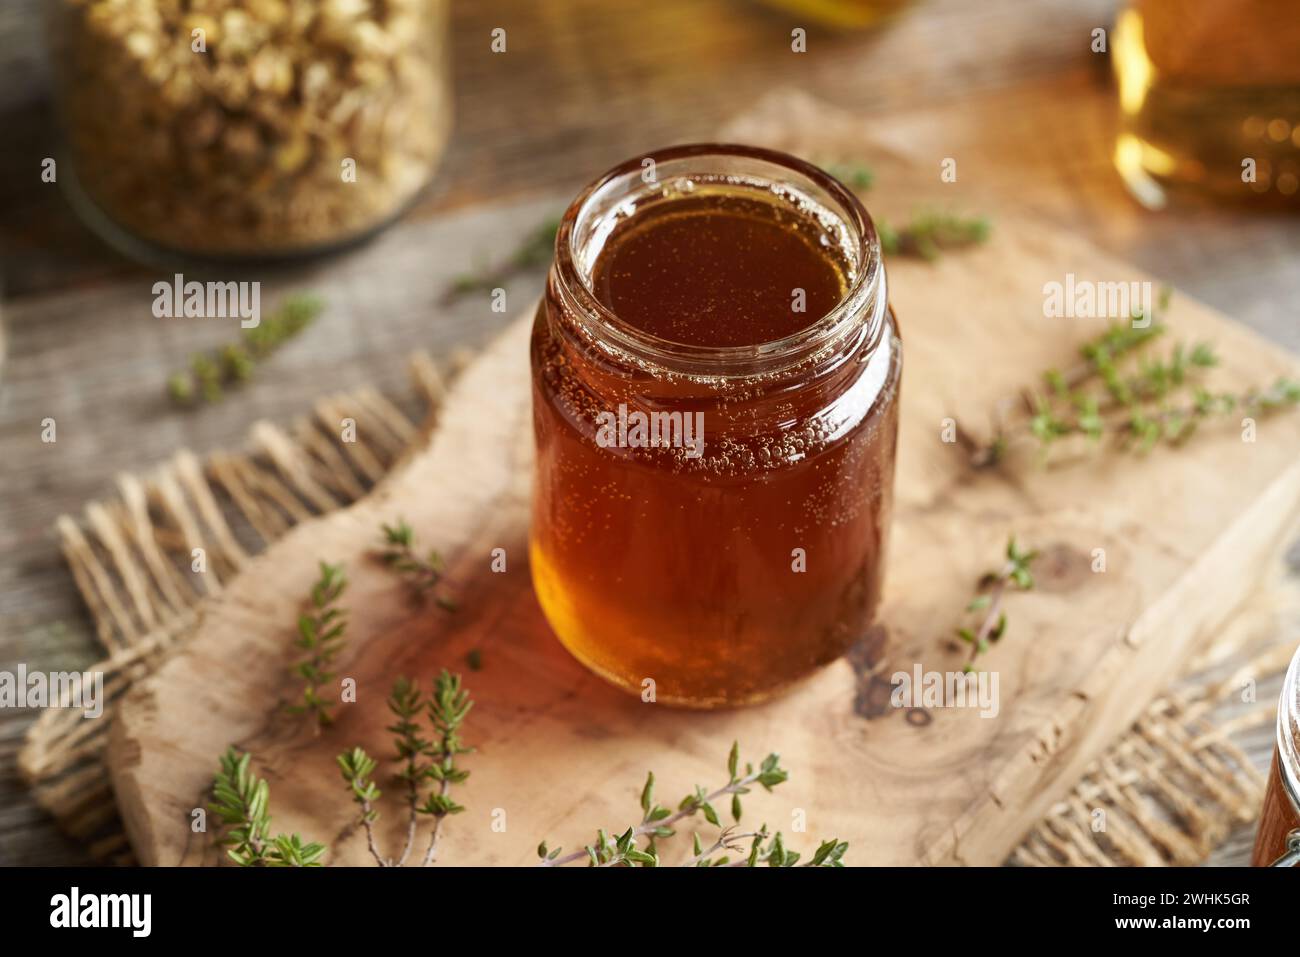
(585, 83)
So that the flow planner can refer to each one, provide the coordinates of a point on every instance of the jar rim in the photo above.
(866, 296)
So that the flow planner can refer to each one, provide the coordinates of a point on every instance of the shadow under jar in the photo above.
(1278, 840)
(715, 402)
(247, 129)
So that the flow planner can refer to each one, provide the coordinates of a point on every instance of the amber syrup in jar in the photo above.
(1278, 838)
(715, 374)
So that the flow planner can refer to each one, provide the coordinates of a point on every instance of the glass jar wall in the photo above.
(1278, 838)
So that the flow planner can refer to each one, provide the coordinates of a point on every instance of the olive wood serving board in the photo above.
(560, 753)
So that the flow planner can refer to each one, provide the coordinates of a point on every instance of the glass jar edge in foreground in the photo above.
(1277, 840)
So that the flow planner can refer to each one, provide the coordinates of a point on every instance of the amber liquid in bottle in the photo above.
(1209, 97)
(654, 565)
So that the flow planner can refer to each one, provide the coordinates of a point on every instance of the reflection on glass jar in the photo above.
(249, 128)
(1209, 97)
(715, 382)
(1278, 840)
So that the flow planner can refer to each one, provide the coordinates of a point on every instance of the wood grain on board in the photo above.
(1184, 532)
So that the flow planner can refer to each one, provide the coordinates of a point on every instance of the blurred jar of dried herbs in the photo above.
(248, 128)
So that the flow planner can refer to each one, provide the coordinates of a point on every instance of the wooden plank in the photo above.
(1184, 533)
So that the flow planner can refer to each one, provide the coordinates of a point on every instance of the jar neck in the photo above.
(853, 326)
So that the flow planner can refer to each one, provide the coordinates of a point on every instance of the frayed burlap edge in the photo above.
(1167, 793)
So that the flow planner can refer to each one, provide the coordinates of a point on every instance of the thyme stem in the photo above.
(993, 626)
(431, 854)
(210, 373)
(728, 840)
(321, 637)
(368, 815)
(647, 826)
(536, 249)
(424, 573)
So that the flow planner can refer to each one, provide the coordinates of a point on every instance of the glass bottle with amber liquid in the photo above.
(1209, 97)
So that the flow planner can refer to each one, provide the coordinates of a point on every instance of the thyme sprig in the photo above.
(536, 249)
(657, 823)
(423, 572)
(931, 233)
(211, 372)
(1115, 392)
(1175, 425)
(928, 234)
(763, 849)
(241, 801)
(321, 636)
(1098, 359)
(728, 839)
(993, 585)
(1138, 423)
(357, 768)
(427, 766)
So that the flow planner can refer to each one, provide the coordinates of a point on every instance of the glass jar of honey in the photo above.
(1278, 840)
(715, 401)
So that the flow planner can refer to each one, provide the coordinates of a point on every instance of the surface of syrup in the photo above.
(719, 270)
